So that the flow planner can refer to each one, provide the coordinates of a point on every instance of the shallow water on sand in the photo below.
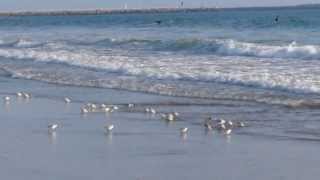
(279, 142)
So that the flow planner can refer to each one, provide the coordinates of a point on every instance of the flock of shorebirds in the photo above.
(210, 124)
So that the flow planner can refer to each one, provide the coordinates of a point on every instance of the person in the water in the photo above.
(276, 19)
(158, 21)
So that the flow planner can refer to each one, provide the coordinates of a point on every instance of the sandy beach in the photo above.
(141, 146)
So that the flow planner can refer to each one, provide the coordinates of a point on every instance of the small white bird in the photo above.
(208, 126)
(150, 110)
(221, 127)
(230, 123)
(115, 107)
(228, 131)
(52, 127)
(170, 117)
(103, 106)
(130, 105)
(84, 110)
(107, 109)
(241, 124)
(184, 130)
(67, 100)
(6, 98)
(93, 106)
(221, 121)
(109, 128)
(153, 111)
(26, 95)
(176, 114)
(19, 94)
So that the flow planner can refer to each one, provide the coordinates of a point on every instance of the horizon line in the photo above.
(92, 11)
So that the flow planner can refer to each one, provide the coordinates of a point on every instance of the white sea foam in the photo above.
(266, 73)
(291, 68)
(25, 43)
(224, 47)
(292, 50)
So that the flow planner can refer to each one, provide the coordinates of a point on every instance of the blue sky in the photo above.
(22, 5)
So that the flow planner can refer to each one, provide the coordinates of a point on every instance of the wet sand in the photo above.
(142, 146)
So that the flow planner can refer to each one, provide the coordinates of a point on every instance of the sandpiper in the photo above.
(6, 98)
(221, 121)
(229, 124)
(52, 127)
(93, 106)
(169, 117)
(150, 110)
(184, 130)
(109, 128)
(103, 106)
(227, 131)
(84, 110)
(67, 100)
(26, 95)
(208, 126)
(153, 111)
(241, 124)
(107, 109)
(221, 127)
(176, 114)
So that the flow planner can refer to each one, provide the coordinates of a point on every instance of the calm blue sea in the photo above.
(224, 54)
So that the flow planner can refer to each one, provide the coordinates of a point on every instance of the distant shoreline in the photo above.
(151, 10)
(103, 11)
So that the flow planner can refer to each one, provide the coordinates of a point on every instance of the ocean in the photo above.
(234, 64)
(188, 54)
(236, 54)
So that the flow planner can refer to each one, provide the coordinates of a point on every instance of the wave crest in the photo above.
(292, 50)
(20, 43)
(223, 47)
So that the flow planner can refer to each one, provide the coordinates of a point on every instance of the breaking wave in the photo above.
(173, 73)
(223, 47)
